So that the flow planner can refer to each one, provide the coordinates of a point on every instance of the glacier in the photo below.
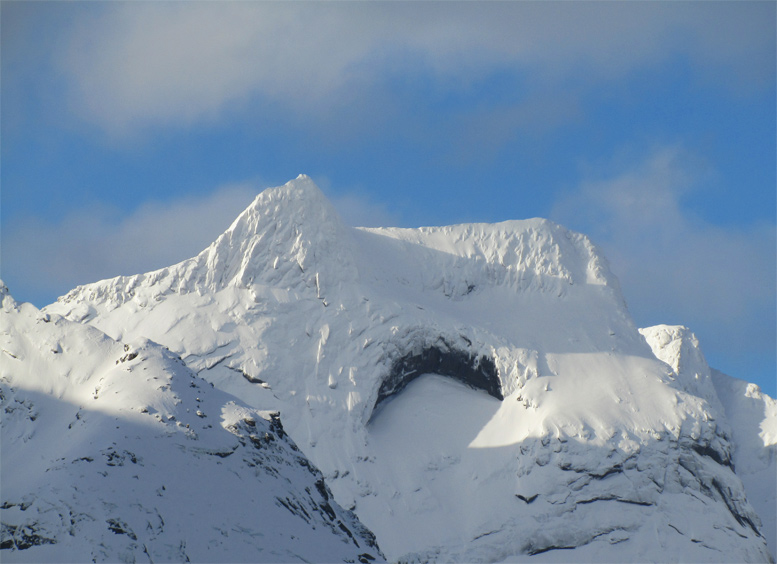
(474, 392)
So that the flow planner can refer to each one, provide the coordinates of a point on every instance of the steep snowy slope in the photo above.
(555, 427)
(753, 418)
(116, 452)
(751, 415)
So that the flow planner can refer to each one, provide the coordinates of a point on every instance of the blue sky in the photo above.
(133, 133)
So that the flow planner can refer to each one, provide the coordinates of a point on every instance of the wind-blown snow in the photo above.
(597, 445)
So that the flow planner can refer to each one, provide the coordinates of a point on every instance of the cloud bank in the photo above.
(137, 65)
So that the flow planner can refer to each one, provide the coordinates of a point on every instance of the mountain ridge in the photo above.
(129, 456)
(585, 439)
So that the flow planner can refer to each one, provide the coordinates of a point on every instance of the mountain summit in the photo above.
(471, 393)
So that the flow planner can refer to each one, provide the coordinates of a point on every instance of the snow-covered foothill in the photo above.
(119, 452)
(750, 415)
(472, 392)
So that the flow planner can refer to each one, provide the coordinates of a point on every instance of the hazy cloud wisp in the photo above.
(46, 260)
(675, 267)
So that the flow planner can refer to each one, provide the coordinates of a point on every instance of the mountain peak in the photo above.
(566, 430)
(301, 191)
(291, 228)
(289, 236)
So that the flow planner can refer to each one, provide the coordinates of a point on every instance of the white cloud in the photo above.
(675, 267)
(140, 64)
(355, 207)
(42, 260)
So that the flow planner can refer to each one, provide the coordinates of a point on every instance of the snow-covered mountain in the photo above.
(472, 393)
(751, 415)
(119, 452)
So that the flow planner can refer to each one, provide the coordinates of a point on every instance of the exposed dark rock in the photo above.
(477, 372)
(326, 508)
(24, 505)
(706, 450)
(22, 538)
(321, 487)
(533, 551)
(114, 458)
(346, 531)
(618, 499)
(294, 508)
(743, 520)
(277, 427)
(120, 528)
(127, 357)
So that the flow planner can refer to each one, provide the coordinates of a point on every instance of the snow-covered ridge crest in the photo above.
(289, 236)
(292, 237)
(286, 233)
(679, 347)
(531, 254)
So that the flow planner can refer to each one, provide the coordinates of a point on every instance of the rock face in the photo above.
(118, 452)
(478, 373)
(546, 423)
(747, 414)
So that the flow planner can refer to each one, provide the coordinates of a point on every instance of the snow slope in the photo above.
(473, 392)
(751, 415)
(115, 452)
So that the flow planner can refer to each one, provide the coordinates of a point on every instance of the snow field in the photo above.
(600, 446)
